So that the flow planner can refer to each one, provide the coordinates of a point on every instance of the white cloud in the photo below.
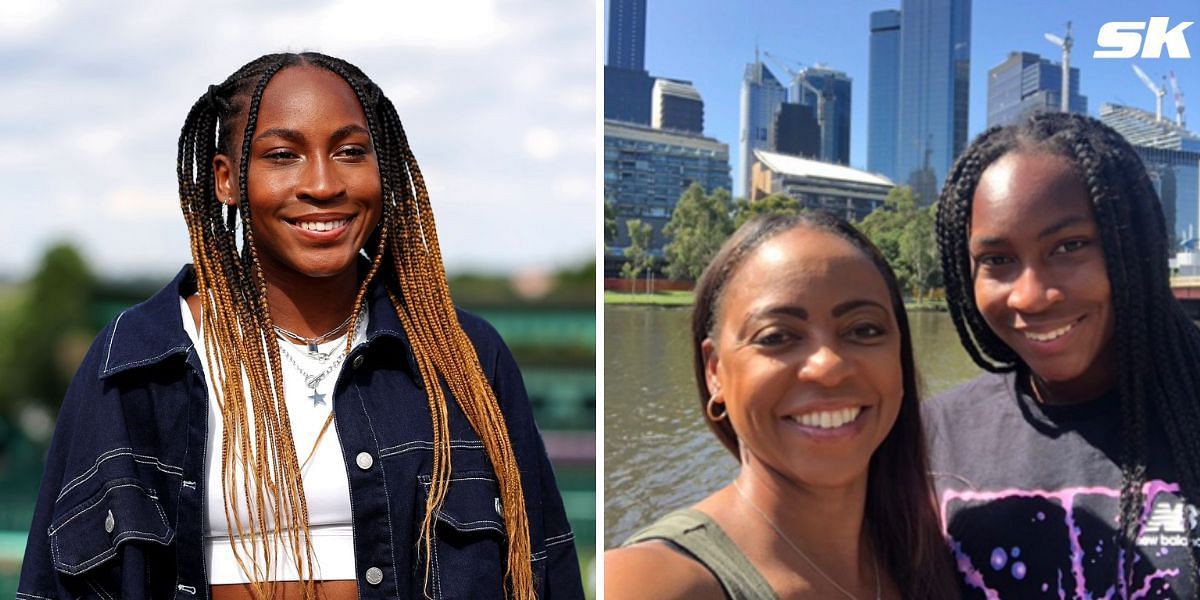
(542, 144)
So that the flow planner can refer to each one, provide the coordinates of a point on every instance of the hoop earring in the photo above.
(710, 412)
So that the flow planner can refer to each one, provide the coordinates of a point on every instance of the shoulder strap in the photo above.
(698, 536)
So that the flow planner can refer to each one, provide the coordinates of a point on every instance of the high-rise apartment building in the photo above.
(676, 105)
(646, 170)
(1026, 83)
(884, 93)
(935, 64)
(828, 92)
(627, 85)
(760, 99)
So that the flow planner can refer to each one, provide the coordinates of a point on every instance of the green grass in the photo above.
(678, 298)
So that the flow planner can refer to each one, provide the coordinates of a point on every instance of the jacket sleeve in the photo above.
(39, 580)
(562, 573)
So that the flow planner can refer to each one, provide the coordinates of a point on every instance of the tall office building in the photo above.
(884, 93)
(676, 105)
(828, 92)
(935, 64)
(627, 34)
(761, 96)
(1026, 83)
(1171, 155)
(795, 131)
(627, 85)
(646, 170)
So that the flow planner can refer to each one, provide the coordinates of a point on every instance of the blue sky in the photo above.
(710, 43)
(498, 98)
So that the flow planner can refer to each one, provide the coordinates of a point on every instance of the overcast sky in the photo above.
(498, 98)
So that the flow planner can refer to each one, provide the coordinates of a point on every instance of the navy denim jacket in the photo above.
(121, 508)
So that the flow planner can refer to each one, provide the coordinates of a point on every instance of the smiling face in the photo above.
(312, 178)
(805, 354)
(1040, 279)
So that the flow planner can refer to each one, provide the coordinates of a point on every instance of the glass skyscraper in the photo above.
(761, 96)
(627, 85)
(1026, 83)
(834, 87)
(935, 64)
(884, 93)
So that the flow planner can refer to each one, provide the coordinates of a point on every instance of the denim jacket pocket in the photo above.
(90, 534)
(469, 548)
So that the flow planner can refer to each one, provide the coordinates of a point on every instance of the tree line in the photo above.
(701, 222)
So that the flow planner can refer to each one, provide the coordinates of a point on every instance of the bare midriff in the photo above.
(342, 589)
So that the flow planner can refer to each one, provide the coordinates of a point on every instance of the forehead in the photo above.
(305, 96)
(1022, 193)
(813, 269)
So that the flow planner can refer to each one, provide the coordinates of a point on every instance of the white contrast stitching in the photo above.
(427, 445)
(568, 538)
(108, 351)
(115, 452)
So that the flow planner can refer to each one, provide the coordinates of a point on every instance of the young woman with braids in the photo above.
(302, 413)
(803, 360)
(1071, 468)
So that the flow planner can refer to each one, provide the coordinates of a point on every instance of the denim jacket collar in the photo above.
(152, 332)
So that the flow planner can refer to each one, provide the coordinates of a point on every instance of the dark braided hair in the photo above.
(1157, 345)
(404, 253)
(900, 513)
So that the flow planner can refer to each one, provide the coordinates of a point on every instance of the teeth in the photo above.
(1049, 335)
(321, 225)
(830, 419)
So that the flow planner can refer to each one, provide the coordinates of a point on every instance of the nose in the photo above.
(825, 367)
(1032, 293)
(320, 181)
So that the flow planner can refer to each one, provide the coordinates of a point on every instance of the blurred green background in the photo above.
(48, 321)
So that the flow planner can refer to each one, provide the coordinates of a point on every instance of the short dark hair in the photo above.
(900, 513)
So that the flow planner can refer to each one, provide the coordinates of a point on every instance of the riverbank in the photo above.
(684, 298)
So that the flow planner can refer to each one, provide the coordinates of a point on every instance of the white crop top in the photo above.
(326, 488)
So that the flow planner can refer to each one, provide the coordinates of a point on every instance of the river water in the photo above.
(658, 454)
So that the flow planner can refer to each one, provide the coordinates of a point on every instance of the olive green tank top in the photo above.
(699, 536)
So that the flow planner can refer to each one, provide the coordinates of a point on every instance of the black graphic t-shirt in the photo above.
(1030, 498)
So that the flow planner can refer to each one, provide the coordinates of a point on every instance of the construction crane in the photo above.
(1178, 100)
(798, 78)
(1065, 44)
(1158, 92)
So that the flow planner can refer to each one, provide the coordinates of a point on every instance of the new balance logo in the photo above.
(1167, 517)
(1124, 36)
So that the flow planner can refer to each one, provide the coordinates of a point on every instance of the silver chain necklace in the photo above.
(312, 381)
(312, 342)
(784, 537)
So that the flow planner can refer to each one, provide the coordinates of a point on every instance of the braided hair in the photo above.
(900, 514)
(237, 325)
(1156, 344)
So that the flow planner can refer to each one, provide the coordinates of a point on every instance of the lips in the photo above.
(1049, 335)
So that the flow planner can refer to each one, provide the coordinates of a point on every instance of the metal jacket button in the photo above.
(358, 361)
(109, 523)
(374, 575)
(364, 460)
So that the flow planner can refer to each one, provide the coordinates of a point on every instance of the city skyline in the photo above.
(712, 48)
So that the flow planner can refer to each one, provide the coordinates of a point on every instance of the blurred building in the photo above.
(845, 191)
(676, 105)
(1171, 155)
(761, 96)
(627, 85)
(646, 170)
(795, 131)
(828, 92)
(1026, 83)
(935, 64)
(884, 93)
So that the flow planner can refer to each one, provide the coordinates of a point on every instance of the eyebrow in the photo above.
(802, 314)
(296, 137)
(1048, 231)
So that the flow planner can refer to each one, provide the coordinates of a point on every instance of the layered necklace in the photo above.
(325, 362)
(811, 563)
